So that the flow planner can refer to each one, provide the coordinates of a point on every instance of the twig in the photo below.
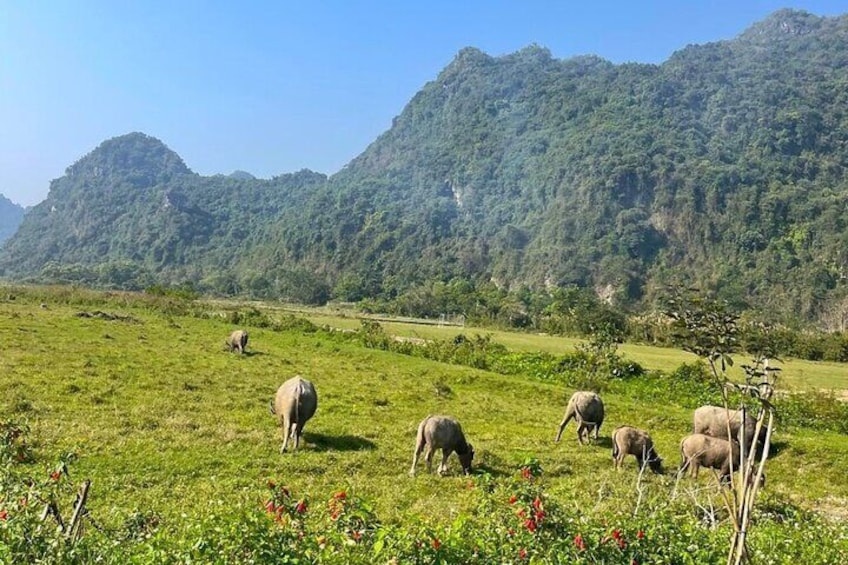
(640, 490)
(73, 531)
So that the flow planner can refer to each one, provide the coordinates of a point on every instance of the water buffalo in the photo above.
(700, 450)
(587, 409)
(295, 402)
(712, 421)
(441, 432)
(237, 341)
(627, 440)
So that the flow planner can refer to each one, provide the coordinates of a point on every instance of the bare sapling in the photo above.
(706, 327)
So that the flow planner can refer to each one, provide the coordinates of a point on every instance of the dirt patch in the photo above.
(833, 507)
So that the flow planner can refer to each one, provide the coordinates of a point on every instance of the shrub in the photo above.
(251, 317)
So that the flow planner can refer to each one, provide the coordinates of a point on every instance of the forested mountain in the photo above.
(11, 216)
(724, 167)
(131, 213)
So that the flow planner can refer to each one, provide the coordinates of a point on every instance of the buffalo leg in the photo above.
(443, 466)
(428, 457)
(286, 427)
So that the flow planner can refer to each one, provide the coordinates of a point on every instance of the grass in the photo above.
(796, 374)
(164, 419)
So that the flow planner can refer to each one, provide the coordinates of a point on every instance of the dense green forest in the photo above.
(11, 216)
(724, 167)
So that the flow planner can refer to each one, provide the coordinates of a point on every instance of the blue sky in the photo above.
(274, 87)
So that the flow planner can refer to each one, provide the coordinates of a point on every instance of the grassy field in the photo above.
(797, 374)
(164, 419)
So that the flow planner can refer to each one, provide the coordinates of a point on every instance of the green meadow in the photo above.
(796, 374)
(167, 423)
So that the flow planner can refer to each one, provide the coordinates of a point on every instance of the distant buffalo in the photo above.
(627, 440)
(442, 432)
(587, 409)
(713, 420)
(294, 404)
(237, 341)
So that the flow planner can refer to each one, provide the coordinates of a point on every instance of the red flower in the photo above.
(616, 535)
(640, 534)
(530, 525)
(521, 513)
(634, 562)
(301, 507)
(55, 475)
(526, 473)
(335, 515)
(436, 544)
(537, 504)
(522, 553)
(4, 515)
(356, 535)
(269, 506)
(341, 495)
(621, 543)
(512, 499)
(579, 543)
(540, 515)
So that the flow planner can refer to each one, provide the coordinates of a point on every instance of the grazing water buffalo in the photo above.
(627, 440)
(237, 341)
(587, 409)
(699, 450)
(712, 421)
(295, 402)
(441, 432)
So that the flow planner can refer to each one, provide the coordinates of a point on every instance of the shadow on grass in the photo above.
(484, 468)
(322, 442)
(252, 353)
(776, 447)
(603, 441)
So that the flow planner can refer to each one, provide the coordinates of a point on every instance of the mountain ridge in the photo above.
(723, 166)
(11, 216)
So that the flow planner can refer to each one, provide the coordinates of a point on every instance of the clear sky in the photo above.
(277, 86)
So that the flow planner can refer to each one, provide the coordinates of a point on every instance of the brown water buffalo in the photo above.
(294, 404)
(237, 341)
(587, 409)
(712, 421)
(627, 440)
(700, 450)
(441, 432)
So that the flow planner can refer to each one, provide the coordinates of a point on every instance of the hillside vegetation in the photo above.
(724, 167)
(11, 216)
(175, 434)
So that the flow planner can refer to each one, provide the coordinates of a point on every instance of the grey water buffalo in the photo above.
(627, 440)
(587, 409)
(237, 341)
(712, 421)
(441, 432)
(294, 404)
(699, 450)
